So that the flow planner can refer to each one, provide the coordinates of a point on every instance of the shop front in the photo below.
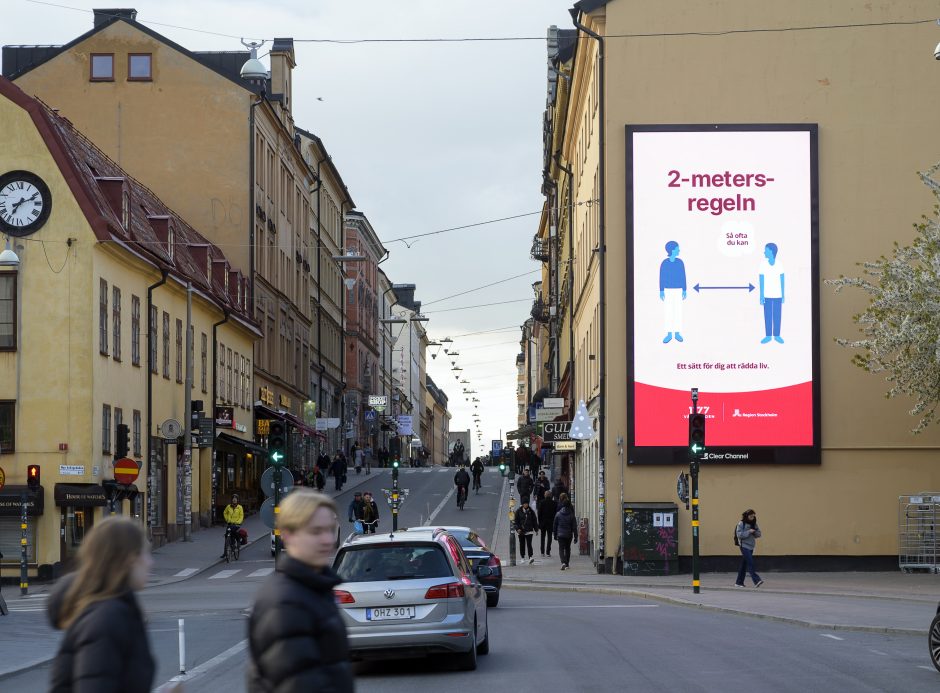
(236, 469)
(76, 503)
(12, 498)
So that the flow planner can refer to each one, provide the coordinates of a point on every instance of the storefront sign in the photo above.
(285, 401)
(266, 396)
(79, 495)
(71, 470)
(262, 427)
(225, 417)
(545, 414)
(405, 425)
(566, 446)
(553, 431)
(554, 402)
(241, 428)
(11, 499)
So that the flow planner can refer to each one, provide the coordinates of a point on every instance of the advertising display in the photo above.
(722, 253)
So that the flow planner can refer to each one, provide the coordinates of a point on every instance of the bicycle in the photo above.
(461, 496)
(232, 543)
(477, 485)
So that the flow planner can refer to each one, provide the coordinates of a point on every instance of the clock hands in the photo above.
(25, 199)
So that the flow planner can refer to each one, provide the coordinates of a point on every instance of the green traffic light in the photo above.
(395, 464)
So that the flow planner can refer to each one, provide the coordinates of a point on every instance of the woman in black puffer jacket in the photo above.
(296, 634)
(105, 648)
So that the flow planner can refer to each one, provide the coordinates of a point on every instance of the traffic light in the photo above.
(502, 469)
(122, 438)
(32, 477)
(697, 436)
(395, 465)
(277, 443)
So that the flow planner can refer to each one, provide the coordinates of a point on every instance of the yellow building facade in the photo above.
(844, 511)
(94, 316)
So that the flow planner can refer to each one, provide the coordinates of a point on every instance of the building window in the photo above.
(228, 387)
(136, 433)
(8, 311)
(179, 351)
(220, 385)
(7, 426)
(106, 429)
(166, 345)
(116, 317)
(139, 67)
(103, 317)
(204, 360)
(102, 67)
(152, 338)
(135, 330)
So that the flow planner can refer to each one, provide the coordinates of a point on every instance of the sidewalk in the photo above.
(879, 602)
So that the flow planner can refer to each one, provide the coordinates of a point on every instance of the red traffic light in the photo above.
(32, 476)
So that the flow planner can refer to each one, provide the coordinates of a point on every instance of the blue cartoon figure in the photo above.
(771, 293)
(672, 290)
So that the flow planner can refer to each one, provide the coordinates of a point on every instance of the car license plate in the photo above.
(390, 613)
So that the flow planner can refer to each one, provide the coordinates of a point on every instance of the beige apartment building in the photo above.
(855, 106)
(222, 151)
(94, 319)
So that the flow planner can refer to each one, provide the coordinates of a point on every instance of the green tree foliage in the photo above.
(901, 325)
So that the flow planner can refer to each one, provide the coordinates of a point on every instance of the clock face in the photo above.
(25, 203)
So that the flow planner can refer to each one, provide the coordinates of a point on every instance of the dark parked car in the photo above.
(933, 639)
(486, 564)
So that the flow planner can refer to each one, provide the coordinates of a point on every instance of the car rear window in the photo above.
(392, 562)
(469, 540)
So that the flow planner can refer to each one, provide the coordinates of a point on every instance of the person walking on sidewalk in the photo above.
(542, 484)
(527, 524)
(524, 486)
(338, 470)
(296, 636)
(234, 515)
(565, 529)
(546, 513)
(559, 488)
(747, 533)
(105, 647)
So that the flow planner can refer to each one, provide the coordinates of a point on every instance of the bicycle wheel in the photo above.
(228, 551)
(236, 548)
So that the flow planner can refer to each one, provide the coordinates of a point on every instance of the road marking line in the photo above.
(261, 572)
(589, 606)
(24, 611)
(879, 652)
(440, 507)
(225, 574)
(186, 572)
(214, 662)
(834, 637)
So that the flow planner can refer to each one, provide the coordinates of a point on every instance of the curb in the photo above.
(676, 601)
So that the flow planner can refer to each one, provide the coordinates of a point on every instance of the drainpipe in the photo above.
(251, 202)
(602, 257)
(151, 336)
(570, 175)
(319, 292)
(215, 398)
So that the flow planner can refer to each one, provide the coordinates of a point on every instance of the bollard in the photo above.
(182, 642)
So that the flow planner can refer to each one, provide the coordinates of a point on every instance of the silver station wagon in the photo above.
(409, 594)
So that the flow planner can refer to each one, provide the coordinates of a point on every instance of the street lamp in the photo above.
(8, 258)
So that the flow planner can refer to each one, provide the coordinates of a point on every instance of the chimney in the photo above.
(104, 16)
(406, 295)
(282, 63)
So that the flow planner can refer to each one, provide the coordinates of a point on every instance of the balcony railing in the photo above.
(541, 250)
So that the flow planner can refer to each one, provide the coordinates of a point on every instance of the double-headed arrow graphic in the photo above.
(700, 288)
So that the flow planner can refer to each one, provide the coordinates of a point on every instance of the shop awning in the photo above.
(11, 497)
(250, 446)
(80, 495)
(263, 412)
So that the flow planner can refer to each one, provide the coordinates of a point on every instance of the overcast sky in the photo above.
(426, 135)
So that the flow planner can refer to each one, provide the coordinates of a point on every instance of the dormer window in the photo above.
(170, 240)
(126, 209)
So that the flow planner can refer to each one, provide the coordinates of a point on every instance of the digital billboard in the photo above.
(722, 262)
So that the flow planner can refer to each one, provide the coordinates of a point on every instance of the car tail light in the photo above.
(494, 562)
(453, 590)
(343, 597)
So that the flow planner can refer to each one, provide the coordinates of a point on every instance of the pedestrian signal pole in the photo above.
(395, 495)
(277, 453)
(696, 453)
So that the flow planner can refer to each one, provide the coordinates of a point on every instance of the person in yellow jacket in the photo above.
(234, 514)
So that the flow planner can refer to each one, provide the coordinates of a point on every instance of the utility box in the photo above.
(650, 541)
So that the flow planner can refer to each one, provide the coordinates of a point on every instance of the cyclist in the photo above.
(462, 482)
(477, 469)
(368, 514)
(234, 515)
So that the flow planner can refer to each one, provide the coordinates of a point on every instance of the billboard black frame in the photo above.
(669, 455)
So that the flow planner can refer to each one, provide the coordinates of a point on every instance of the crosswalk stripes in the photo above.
(186, 572)
(261, 572)
(222, 574)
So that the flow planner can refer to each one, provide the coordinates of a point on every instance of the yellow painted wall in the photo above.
(149, 128)
(871, 90)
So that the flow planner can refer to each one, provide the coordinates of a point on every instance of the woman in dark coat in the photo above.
(105, 648)
(296, 634)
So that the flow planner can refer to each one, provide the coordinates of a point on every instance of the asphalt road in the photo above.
(569, 642)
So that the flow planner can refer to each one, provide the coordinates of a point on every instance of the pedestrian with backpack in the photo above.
(746, 534)
(565, 529)
(527, 524)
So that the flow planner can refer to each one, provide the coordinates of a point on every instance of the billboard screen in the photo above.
(722, 236)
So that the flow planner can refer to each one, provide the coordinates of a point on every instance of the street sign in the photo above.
(546, 414)
(370, 414)
(267, 482)
(267, 513)
(497, 447)
(378, 400)
(170, 429)
(126, 470)
(555, 430)
(554, 402)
